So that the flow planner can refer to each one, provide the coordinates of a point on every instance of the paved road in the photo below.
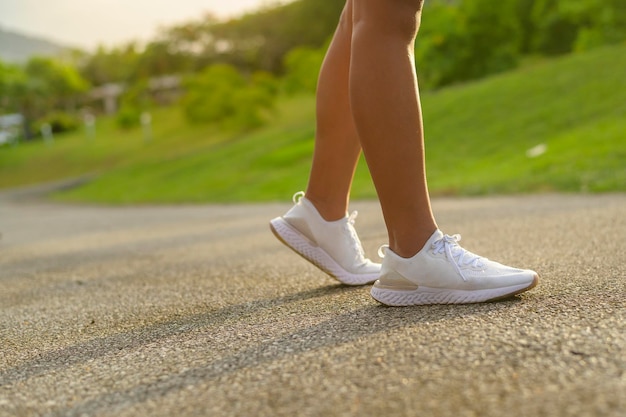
(198, 310)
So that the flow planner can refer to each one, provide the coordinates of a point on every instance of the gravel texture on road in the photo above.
(200, 311)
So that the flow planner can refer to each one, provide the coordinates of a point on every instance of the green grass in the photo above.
(477, 136)
(576, 106)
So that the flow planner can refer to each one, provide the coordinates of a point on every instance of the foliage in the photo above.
(12, 82)
(260, 41)
(468, 39)
(59, 121)
(574, 105)
(222, 96)
(459, 40)
(159, 59)
(133, 103)
(562, 26)
(109, 66)
(128, 116)
(58, 81)
(302, 67)
(41, 86)
(130, 64)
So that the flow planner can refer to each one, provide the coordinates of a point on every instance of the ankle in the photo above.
(408, 245)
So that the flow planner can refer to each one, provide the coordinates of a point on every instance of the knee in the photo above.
(399, 19)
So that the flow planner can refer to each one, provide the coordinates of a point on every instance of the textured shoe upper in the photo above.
(443, 263)
(338, 238)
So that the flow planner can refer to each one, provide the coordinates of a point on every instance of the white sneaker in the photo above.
(445, 273)
(334, 247)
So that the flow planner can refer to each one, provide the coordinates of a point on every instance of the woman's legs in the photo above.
(386, 109)
(369, 86)
(337, 147)
(368, 79)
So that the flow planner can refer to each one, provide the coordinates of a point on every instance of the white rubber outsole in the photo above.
(427, 296)
(300, 244)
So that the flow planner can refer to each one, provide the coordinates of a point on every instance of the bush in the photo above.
(128, 116)
(221, 95)
(133, 102)
(59, 122)
(302, 67)
(561, 26)
(468, 40)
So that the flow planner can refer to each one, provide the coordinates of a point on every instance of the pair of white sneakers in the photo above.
(441, 273)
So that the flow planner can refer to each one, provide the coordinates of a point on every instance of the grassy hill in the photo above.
(477, 138)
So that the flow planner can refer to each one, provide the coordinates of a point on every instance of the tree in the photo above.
(555, 31)
(115, 65)
(158, 59)
(59, 82)
(11, 79)
(599, 22)
(260, 40)
(561, 26)
(221, 95)
(40, 87)
(466, 40)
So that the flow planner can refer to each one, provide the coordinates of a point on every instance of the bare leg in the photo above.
(387, 114)
(386, 117)
(337, 147)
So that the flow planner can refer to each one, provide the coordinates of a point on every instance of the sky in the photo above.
(89, 23)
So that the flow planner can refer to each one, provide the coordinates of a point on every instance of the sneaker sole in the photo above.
(427, 296)
(301, 245)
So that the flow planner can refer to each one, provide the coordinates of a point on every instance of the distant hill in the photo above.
(16, 47)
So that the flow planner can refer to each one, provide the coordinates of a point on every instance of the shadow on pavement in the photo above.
(338, 330)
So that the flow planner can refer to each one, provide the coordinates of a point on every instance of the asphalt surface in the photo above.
(200, 311)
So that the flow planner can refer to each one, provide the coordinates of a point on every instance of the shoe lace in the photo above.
(458, 256)
(454, 252)
(356, 243)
